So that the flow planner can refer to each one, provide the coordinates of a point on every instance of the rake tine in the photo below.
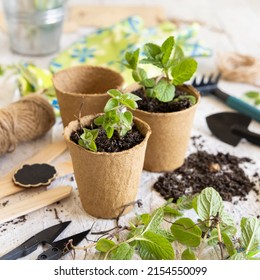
(202, 81)
(210, 80)
(217, 78)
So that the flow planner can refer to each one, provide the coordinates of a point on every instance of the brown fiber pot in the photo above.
(88, 84)
(167, 146)
(107, 181)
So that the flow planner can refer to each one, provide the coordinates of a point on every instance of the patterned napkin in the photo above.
(107, 46)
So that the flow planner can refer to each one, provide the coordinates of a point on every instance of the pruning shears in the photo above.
(47, 236)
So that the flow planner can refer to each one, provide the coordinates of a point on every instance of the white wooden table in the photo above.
(231, 25)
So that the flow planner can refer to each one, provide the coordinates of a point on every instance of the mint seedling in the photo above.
(116, 116)
(175, 69)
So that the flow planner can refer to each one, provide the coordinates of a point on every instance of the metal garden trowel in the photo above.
(231, 127)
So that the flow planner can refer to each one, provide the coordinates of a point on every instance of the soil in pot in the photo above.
(114, 144)
(149, 104)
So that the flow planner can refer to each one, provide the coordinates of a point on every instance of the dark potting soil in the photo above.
(115, 143)
(154, 105)
(201, 169)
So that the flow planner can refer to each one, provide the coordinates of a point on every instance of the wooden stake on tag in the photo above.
(10, 188)
(46, 155)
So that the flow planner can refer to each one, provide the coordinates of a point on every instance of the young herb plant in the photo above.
(213, 229)
(175, 69)
(116, 117)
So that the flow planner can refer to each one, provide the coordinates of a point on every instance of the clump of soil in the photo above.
(154, 105)
(201, 169)
(115, 143)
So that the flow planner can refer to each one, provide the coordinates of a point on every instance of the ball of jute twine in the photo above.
(27, 119)
(239, 68)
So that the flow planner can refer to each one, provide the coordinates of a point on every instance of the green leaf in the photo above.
(150, 92)
(99, 120)
(128, 118)
(131, 104)
(104, 245)
(109, 132)
(155, 221)
(186, 232)
(250, 233)
(227, 224)
(252, 94)
(178, 53)
(171, 211)
(167, 48)
(190, 97)
(151, 50)
(188, 254)
(87, 139)
(257, 101)
(92, 146)
(132, 59)
(213, 239)
(209, 203)
(183, 71)
(112, 104)
(165, 233)
(164, 91)
(145, 218)
(148, 83)
(185, 202)
(238, 256)
(115, 93)
(156, 246)
(2, 71)
(229, 244)
(131, 96)
(194, 203)
(139, 74)
(123, 252)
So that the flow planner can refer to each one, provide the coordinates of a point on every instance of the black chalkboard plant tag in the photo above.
(34, 175)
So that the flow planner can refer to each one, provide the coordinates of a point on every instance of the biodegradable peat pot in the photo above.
(88, 84)
(167, 146)
(107, 181)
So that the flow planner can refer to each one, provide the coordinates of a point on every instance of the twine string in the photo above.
(239, 68)
(24, 120)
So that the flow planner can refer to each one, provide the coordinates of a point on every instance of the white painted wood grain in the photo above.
(227, 25)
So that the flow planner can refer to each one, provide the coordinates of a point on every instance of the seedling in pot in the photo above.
(175, 70)
(116, 121)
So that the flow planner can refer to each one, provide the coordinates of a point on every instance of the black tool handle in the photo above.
(245, 133)
(51, 254)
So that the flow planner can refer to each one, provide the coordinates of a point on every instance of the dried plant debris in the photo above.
(201, 169)
(34, 175)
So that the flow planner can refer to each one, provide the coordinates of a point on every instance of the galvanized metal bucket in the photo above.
(34, 27)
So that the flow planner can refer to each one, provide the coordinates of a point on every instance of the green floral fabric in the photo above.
(107, 46)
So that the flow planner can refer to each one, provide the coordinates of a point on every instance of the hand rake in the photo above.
(210, 85)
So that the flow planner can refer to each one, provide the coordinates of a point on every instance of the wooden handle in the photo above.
(10, 188)
(34, 203)
(46, 155)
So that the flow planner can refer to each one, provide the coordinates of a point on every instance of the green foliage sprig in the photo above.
(116, 117)
(175, 69)
(254, 96)
(213, 228)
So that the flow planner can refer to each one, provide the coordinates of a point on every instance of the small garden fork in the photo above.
(210, 85)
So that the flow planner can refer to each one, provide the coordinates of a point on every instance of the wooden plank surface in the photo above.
(231, 25)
